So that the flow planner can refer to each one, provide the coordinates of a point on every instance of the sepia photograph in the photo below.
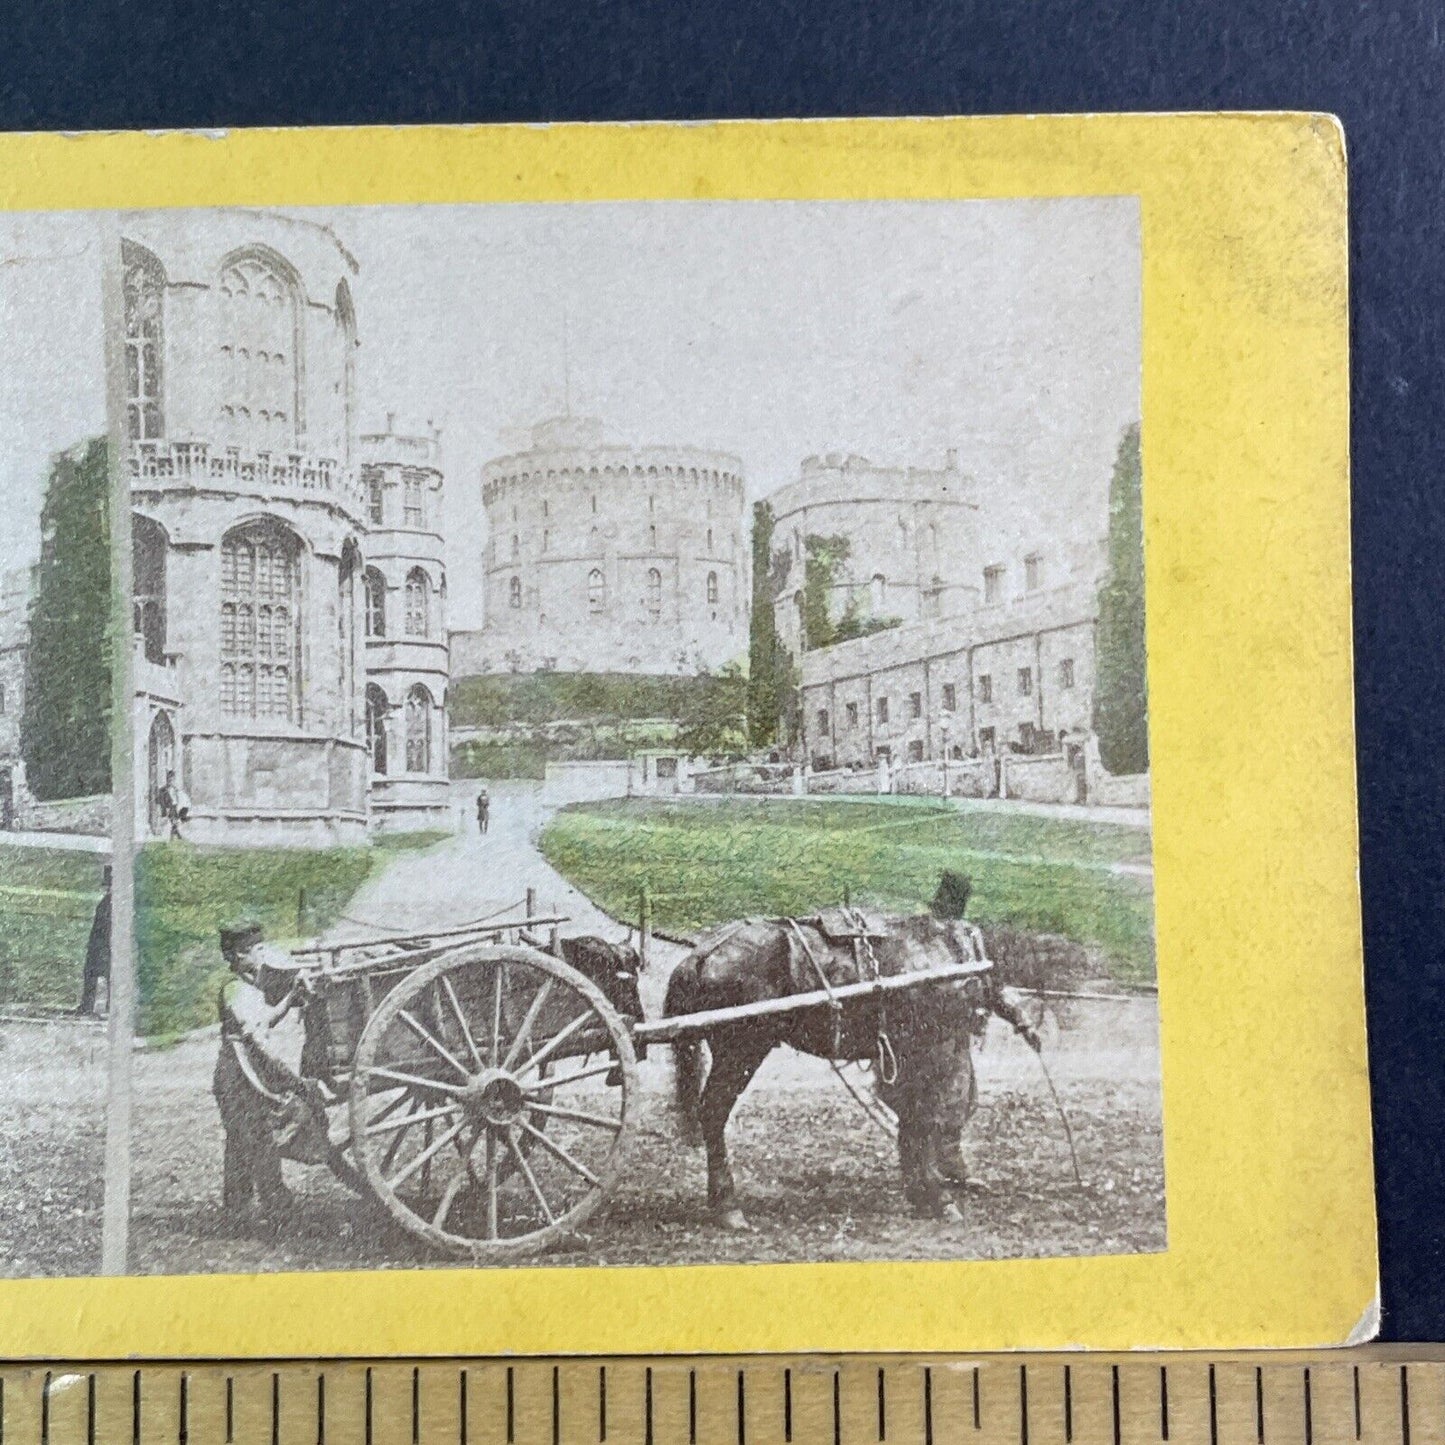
(638, 736)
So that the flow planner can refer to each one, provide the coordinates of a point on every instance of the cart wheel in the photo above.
(481, 1115)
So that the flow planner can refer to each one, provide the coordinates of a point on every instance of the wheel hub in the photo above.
(495, 1097)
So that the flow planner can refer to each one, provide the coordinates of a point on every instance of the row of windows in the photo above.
(597, 591)
(260, 405)
(594, 540)
(417, 715)
(949, 700)
(995, 578)
(413, 496)
(417, 604)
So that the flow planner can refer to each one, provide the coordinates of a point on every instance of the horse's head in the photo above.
(613, 967)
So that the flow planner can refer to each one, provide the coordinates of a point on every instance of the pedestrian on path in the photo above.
(97, 952)
(484, 811)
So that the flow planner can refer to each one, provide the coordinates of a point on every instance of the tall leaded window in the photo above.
(260, 397)
(144, 285)
(374, 480)
(376, 710)
(654, 591)
(418, 730)
(712, 588)
(260, 631)
(375, 603)
(413, 499)
(514, 592)
(596, 590)
(418, 603)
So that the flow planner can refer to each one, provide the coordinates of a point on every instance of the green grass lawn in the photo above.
(47, 899)
(705, 862)
(184, 894)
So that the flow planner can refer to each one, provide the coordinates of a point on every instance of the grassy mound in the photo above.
(47, 900)
(706, 861)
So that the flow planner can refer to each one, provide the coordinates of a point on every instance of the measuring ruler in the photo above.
(1375, 1395)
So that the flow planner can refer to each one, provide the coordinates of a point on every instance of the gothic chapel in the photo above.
(265, 681)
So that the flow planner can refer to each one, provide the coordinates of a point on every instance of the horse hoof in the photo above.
(734, 1220)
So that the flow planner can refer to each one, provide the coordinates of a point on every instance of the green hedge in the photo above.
(535, 698)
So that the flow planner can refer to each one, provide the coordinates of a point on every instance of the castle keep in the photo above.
(610, 558)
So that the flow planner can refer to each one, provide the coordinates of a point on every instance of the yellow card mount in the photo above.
(1376, 1395)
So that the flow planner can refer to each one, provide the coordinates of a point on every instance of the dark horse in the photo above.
(926, 1064)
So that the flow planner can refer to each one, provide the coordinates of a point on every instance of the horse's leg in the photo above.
(735, 1059)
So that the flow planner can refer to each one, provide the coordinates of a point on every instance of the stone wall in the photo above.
(91, 816)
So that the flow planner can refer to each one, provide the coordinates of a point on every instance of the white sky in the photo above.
(1009, 329)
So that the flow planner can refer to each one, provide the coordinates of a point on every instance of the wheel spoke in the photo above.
(449, 1197)
(494, 1163)
(497, 1012)
(393, 1148)
(455, 1002)
(444, 1112)
(556, 1149)
(560, 1081)
(531, 1178)
(580, 1116)
(524, 1032)
(554, 1043)
(414, 1080)
(425, 1157)
(403, 1096)
(425, 1036)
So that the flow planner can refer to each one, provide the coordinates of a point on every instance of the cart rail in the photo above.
(661, 1031)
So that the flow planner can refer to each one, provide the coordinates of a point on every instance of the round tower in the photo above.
(612, 558)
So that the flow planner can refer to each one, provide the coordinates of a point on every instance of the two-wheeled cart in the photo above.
(489, 1089)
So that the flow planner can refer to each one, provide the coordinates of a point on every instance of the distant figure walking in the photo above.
(97, 952)
(484, 811)
(175, 807)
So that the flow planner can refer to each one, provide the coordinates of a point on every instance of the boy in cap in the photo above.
(266, 1107)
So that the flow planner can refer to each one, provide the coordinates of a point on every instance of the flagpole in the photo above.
(115, 1227)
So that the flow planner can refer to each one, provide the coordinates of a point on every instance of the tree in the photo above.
(1121, 713)
(65, 724)
(770, 671)
(710, 719)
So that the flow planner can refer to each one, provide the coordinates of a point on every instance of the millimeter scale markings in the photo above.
(1367, 1396)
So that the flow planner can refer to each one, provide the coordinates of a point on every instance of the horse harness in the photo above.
(853, 926)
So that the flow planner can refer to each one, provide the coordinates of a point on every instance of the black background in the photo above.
(1379, 66)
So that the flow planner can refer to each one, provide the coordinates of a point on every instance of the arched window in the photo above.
(260, 631)
(418, 730)
(346, 325)
(878, 592)
(375, 603)
(144, 285)
(374, 480)
(654, 591)
(800, 606)
(418, 603)
(596, 590)
(260, 395)
(413, 498)
(148, 587)
(712, 588)
(516, 545)
(514, 592)
(376, 711)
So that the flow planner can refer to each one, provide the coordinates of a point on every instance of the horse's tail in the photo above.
(687, 1060)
